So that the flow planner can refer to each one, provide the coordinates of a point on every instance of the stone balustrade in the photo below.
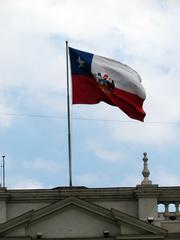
(169, 210)
(165, 199)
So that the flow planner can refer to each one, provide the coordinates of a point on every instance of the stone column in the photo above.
(3, 197)
(2, 211)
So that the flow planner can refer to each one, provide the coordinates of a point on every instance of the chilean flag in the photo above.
(96, 79)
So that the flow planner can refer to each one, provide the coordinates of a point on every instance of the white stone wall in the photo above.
(16, 209)
(129, 207)
(72, 223)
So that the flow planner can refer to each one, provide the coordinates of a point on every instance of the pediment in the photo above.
(76, 218)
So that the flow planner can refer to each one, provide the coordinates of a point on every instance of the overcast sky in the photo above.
(107, 146)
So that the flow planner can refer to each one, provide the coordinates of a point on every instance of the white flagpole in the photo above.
(69, 118)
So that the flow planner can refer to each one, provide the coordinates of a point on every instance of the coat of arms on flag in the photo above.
(105, 82)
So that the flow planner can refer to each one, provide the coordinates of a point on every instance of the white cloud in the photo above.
(151, 134)
(149, 39)
(23, 183)
(90, 179)
(6, 109)
(42, 165)
(30, 64)
(105, 152)
(131, 180)
(165, 178)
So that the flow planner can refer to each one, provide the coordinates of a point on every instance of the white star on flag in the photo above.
(81, 62)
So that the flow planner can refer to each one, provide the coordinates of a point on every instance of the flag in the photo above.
(96, 79)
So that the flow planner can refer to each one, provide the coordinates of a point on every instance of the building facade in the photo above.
(123, 213)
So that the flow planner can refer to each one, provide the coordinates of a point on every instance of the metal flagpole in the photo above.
(3, 171)
(69, 120)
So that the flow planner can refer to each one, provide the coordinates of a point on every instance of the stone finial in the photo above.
(146, 171)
